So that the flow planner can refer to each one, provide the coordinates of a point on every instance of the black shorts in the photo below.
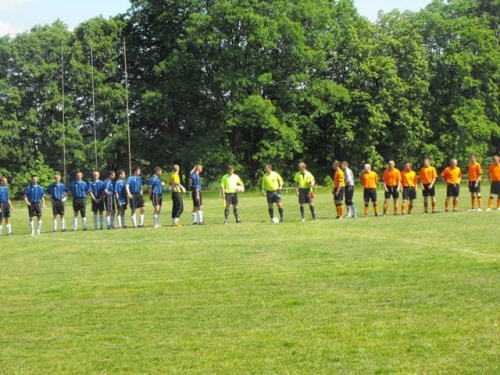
(495, 188)
(231, 198)
(35, 210)
(109, 203)
(121, 206)
(4, 210)
(370, 195)
(79, 205)
(57, 208)
(429, 192)
(273, 197)
(392, 191)
(453, 190)
(349, 194)
(197, 202)
(98, 206)
(340, 195)
(137, 201)
(156, 200)
(472, 187)
(305, 196)
(409, 193)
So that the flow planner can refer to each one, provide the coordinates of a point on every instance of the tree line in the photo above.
(251, 82)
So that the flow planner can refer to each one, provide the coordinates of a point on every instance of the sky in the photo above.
(17, 16)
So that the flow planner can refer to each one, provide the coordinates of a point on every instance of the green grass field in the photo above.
(413, 294)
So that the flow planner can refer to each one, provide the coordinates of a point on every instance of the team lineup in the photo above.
(110, 199)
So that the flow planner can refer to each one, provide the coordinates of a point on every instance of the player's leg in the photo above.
(142, 209)
(54, 213)
(366, 199)
(31, 214)
(374, 201)
(235, 207)
(226, 208)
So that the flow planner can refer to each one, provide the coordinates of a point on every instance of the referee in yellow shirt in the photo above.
(231, 184)
(272, 183)
(177, 203)
(304, 182)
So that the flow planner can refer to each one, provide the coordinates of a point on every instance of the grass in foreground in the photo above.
(413, 294)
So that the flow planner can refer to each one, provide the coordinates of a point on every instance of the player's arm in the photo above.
(127, 189)
(92, 195)
(478, 176)
(26, 198)
(280, 182)
(240, 183)
(150, 191)
(223, 188)
(263, 185)
(296, 185)
(43, 201)
(400, 185)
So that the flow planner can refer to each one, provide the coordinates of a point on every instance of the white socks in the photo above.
(200, 216)
(75, 222)
(141, 219)
(134, 220)
(194, 215)
(101, 222)
(9, 229)
(39, 227)
(54, 225)
(95, 222)
(32, 228)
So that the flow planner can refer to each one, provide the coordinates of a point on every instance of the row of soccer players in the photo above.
(114, 197)
(406, 182)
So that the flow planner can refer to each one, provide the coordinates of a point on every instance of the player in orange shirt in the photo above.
(369, 180)
(428, 177)
(392, 185)
(409, 182)
(474, 182)
(452, 176)
(338, 189)
(494, 177)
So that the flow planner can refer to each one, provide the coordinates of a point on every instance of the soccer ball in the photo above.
(240, 189)
(275, 220)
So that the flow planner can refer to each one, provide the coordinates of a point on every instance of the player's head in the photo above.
(158, 171)
(136, 171)
(199, 168)
(268, 168)
(344, 165)
(121, 174)
(111, 175)
(427, 162)
(391, 164)
(96, 175)
(302, 166)
(230, 169)
(34, 179)
(473, 158)
(408, 167)
(3, 180)
(79, 175)
(57, 177)
(496, 159)
(367, 167)
(176, 168)
(453, 163)
(336, 165)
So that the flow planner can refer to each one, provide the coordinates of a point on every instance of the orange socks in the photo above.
(473, 203)
(447, 204)
(375, 207)
(455, 204)
(403, 208)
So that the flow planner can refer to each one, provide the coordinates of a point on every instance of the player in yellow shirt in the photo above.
(369, 180)
(304, 182)
(494, 177)
(392, 185)
(177, 190)
(272, 183)
(428, 177)
(338, 189)
(231, 184)
(474, 182)
(452, 176)
(409, 182)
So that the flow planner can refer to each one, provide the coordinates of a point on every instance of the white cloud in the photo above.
(6, 28)
(9, 5)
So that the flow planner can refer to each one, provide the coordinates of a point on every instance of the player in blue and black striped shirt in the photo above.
(195, 185)
(96, 189)
(5, 206)
(79, 190)
(121, 198)
(33, 196)
(155, 190)
(57, 194)
(134, 193)
(109, 200)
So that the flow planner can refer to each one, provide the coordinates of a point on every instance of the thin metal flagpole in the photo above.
(63, 114)
(127, 108)
(93, 104)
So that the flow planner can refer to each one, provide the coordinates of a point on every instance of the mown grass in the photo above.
(413, 294)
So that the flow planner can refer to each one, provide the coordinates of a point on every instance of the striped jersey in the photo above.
(56, 191)
(155, 184)
(121, 191)
(79, 189)
(108, 187)
(97, 188)
(194, 181)
(134, 184)
(4, 194)
(34, 193)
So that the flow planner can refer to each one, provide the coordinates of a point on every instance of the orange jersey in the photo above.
(369, 180)
(474, 172)
(392, 178)
(409, 178)
(339, 179)
(427, 175)
(494, 172)
(452, 175)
